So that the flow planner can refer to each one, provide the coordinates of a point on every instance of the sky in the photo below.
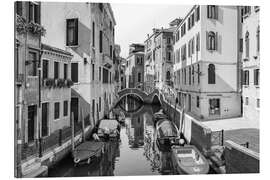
(135, 21)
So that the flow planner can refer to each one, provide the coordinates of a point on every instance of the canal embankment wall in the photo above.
(194, 132)
(239, 159)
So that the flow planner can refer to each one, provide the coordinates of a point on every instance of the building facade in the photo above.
(86, 30)
(135, 67)
(250, 51)
(206, 62)
(55, 89)
(164, 57)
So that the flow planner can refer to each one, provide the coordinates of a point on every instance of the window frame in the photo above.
(65, 108)
(75, 32)
(56, 113)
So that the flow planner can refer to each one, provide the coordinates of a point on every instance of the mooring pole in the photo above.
(83, 135)
(72, 132)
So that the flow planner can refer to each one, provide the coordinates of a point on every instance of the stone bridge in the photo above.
(151, 98)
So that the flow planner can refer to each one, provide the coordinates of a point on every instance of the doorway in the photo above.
(32, 112)
(44, 120)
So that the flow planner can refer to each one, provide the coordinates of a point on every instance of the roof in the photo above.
(54, 49)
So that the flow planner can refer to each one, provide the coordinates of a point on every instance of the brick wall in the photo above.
(239, 159)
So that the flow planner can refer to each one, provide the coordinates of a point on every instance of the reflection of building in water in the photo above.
(135, 131)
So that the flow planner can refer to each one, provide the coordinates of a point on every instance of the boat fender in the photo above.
(76, 160)
(89, 160)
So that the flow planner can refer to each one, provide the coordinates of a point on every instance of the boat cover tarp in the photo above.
(87, 149)
(166, 129)
(111, 124)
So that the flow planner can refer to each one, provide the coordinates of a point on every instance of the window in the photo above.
(246, 77)
(192, 74)
(18, 5)
(256, 8)
(198, 13)
(247, 44)
(183, 52)
(74, 72)
(99, 100)
(212, 12)
(100, 42)
(45, 69)
(100, 6)
(258, 38)
(110, 77)
(258, 103)
(168, 76)
(93, 72)
(56, 70)
(111, 51)
(111, 25)
(168, 40)
(99, 72)
(211, 40)
(31, 64)
(169, 56)
(65, 108)
(246, 10)
(198, 73)
(72, 32)
(139, 77)
(256, 76)
(211, 74)
(93, 108)
(189, 75)
(241, 45)
(246, 101)
(185, 76)
(198, 102)
(93, 34)
(198, 42)
(105, 76)
(56, 110)
(192, 46)
(192, 20)
(65, 71)
(183, 29)
(214, 106)
(34, 12)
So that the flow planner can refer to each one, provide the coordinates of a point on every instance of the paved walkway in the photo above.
(231, 124)
(239, 130)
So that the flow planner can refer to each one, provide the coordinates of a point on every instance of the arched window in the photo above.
(211, 40)
(168, 75)
(211, 74)
(258, 39)
(247, 44)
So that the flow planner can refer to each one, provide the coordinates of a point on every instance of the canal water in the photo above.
(135, 154)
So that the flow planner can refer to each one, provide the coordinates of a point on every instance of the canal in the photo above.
(135, 154)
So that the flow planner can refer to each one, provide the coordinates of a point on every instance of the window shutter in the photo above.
(29, 10)
(207, 40)
(216, 42)
(67, 41)
(76, 31)
(216, 12)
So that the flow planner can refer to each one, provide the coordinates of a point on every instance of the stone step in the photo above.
(42, 171)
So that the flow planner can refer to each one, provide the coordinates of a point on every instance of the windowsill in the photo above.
(257, 86)
(57, 119)
(72, 46)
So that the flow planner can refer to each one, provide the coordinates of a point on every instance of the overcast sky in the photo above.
(135, 21)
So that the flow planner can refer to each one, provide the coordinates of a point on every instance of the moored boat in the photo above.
(88, 150)
(108, 129)
(189, 160)
(160, 115)
(166, 134)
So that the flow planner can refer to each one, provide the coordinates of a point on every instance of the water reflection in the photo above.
(136, 154)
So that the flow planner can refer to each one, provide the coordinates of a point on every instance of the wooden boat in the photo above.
(188, 160)
(87, 151)
(160, 115)
(167, 134)
(108, 128)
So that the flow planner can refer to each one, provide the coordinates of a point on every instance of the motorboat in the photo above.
(189, 160)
